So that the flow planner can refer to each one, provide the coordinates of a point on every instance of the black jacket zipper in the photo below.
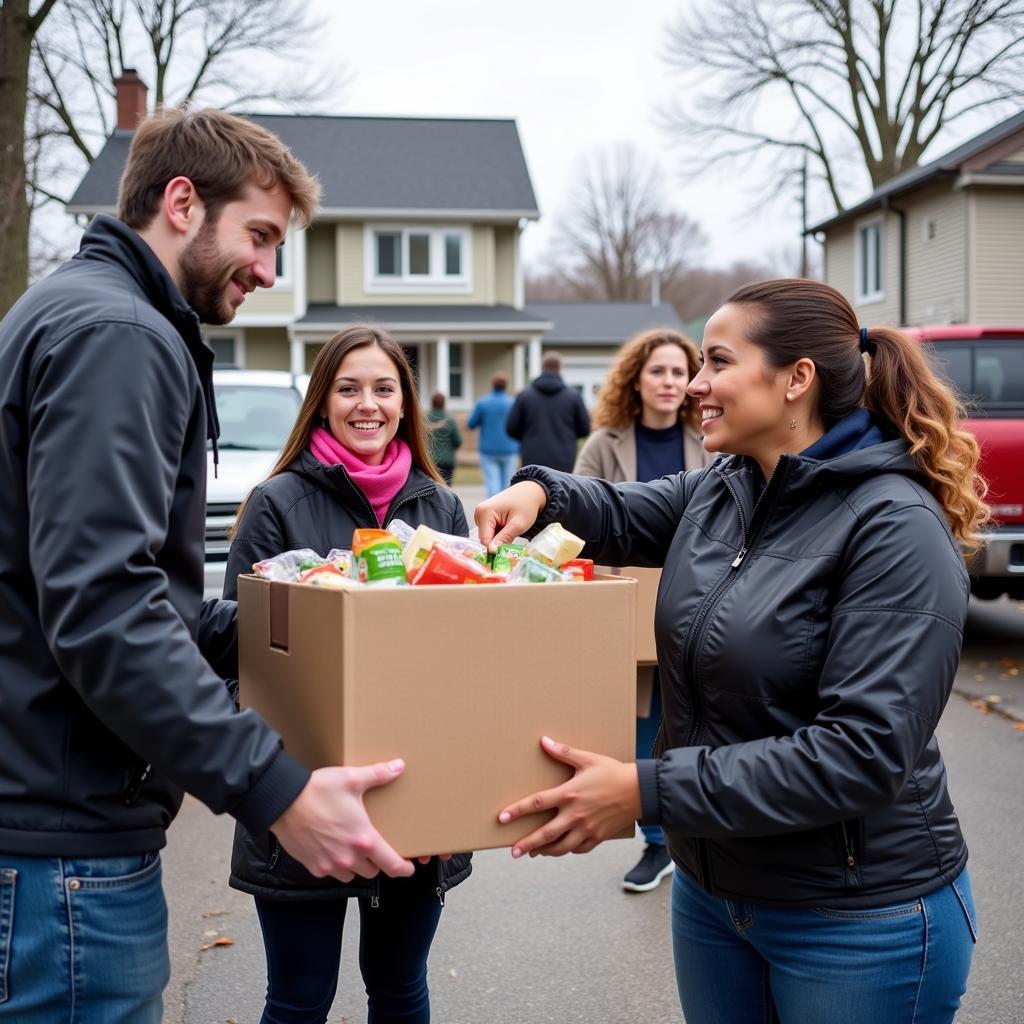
(136, 782)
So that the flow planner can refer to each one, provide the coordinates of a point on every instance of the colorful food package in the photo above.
(326, 575)
(555, 545)
(288, 565)
(532, 570)
(416, 549)
(343, 560)
(378, 558)
(402, 530)
(579, 568)
(444, 566)
(506, 556)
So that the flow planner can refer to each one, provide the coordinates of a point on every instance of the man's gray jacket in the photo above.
(108, 707)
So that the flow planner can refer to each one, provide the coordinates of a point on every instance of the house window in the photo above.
(457, 370)
(279, 261)
(869, 262)
(227, 349)
(417, 259)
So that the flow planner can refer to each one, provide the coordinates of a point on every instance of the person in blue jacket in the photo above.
(499, 453)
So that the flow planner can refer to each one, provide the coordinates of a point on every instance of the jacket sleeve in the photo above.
(514, 419)
(588, 461)
(894, 645)
(622, 524)
(259, 533)
(456, 433)
(109, 411)
(474, 417)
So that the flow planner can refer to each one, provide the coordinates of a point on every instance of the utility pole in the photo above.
(803, 218)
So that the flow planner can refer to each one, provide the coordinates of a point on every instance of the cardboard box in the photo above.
(461, 682)
(646, 651)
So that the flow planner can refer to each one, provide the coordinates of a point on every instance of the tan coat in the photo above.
(610, 453)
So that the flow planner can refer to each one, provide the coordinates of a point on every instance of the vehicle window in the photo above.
(255, 417)
(953, 363)
(999, 374)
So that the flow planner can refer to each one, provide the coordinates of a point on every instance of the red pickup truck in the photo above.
(986, 366)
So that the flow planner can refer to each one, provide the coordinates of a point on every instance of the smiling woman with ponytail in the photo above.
(809, 625)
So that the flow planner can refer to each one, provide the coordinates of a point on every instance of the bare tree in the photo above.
(619, 231)
(862, 87)
(18, 28)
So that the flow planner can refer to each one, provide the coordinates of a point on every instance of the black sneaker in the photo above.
(654, 865)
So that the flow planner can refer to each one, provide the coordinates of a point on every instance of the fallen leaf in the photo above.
(994, 698)
(1019, 725)
(216, 913)
(222, 941)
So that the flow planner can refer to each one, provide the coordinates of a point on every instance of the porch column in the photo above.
(518, 364)
(297, 355)
(535, 357)
(443, 369)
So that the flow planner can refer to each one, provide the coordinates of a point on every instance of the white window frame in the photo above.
(466, 400)
(862, 228)
(437, 282)
(237, 335)
(284, 280)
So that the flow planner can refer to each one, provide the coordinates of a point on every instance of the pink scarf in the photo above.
(380, 483)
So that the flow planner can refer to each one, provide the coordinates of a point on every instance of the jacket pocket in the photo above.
(8, 876)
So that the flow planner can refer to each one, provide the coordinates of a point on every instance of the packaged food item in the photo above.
(378, 558)
(506, 556)
(555, 545)
(342, 558)
(531, 570)
(288, 565)
(444, 566)
(402, 530)
(579, 568)
(418, 547)
(327, 575)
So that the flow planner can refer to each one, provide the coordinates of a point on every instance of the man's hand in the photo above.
(601, 799)
(510, 513)
(327, 828)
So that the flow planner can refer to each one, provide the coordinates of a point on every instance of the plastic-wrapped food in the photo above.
(444, 566)
(288, 565)
(531, 570)
(378, 557)
(342, 559)
(402, 530)
(326, 575)
(506, 556)
(579, 568)
(555, 545)
(418, 547)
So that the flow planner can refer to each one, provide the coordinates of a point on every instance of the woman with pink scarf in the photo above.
(358, 456)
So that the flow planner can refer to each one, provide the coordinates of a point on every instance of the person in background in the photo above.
(499, 453)
(809, 625)
(548, 418)
(112, 699)
(445, 437)
(648, 427)
(358, 456)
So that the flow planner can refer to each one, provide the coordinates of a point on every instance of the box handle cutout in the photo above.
(279, 616)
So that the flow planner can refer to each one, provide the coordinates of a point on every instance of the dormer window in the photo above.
(417, 259)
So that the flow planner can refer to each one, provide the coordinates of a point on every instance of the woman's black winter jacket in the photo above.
(807, 644)
(312, 505)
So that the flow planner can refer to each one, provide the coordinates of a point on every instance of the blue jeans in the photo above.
(740, 963)
(646, 733)
(82, 939)
(497, 470)
(302, 939)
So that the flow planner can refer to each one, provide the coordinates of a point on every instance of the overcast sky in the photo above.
(575, 74)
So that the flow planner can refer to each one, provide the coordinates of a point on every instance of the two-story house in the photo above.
(941, 243)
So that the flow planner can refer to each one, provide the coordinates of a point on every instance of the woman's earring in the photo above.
(323, 422)
(792, 424)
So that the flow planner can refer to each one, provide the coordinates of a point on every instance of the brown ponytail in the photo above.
(903, 387)
(808, 319)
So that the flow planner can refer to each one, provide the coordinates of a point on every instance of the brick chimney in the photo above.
(131, 99)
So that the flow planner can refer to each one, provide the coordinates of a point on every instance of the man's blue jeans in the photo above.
(740, 963)
(82, 940)
(497, 470)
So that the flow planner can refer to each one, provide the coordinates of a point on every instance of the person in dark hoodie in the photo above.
(358, 456)
(808, 625)
(112, 699)
(548, 419)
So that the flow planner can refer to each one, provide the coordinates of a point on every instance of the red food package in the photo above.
(444, 566)
(581, 568)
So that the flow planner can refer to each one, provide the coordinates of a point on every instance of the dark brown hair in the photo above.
(619, 403)
(796, 319)
(220, 153)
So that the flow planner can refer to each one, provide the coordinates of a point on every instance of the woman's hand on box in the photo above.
(599, 801)
(510, 513)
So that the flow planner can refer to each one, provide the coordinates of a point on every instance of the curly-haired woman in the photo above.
(648, 427)
(809, 624)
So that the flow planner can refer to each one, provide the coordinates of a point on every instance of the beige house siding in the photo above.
(936, 256)
(505, 265)
(321, 263)
(350, 270)
(1014, 158)
(277, 301)
(266, 348)
(489, 359)
(841, 262)
(997, 243)
(839, 259)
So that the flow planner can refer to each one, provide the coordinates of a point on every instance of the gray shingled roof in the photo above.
(377, 164)
(325, 314)
(947, 166)
(587, 323)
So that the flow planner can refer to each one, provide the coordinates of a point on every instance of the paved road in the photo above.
(557, 940)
